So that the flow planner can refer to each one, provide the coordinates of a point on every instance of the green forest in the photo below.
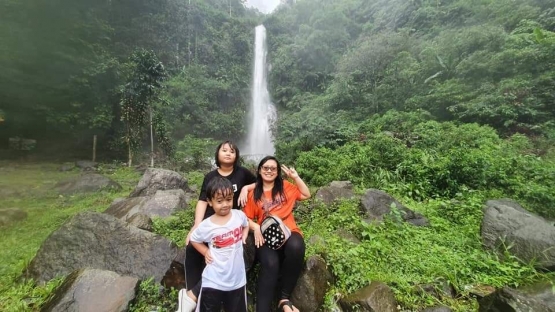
(434, 102)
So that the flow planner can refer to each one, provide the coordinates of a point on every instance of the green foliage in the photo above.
(64, 65)
(27, 295)
(205, 106)
(152, 296)
(399, 254)
(177, 226)
(437, 160)
(137, 97)
(458, 60)
(195, 154)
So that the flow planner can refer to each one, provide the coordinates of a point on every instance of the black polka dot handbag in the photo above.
(274, 231)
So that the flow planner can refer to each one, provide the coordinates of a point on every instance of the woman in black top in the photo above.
(227, 161)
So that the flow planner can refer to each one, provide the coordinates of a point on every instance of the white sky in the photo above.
(264, 6)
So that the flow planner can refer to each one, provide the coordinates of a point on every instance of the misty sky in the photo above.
(265, 6)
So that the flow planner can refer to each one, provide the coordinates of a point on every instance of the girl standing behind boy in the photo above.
(225, 232)
(227, 159)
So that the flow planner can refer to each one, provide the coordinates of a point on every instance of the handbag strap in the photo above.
(265, 207)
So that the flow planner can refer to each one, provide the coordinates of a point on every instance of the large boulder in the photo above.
(337, 190)
(101, 241)
(527, 236)
(312, 285)
(375, 297)
(92, 290)
(141, 221)
(538, 297)
(376, 204)
(86, 183)
(162, 204)
(120, 208)
(155, 179)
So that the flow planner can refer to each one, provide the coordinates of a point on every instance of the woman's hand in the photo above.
(258, 239)
(242, 201)
(290, 172)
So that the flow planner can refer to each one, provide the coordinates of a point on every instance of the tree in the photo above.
(138, 94)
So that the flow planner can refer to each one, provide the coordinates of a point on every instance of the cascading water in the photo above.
(262, 114)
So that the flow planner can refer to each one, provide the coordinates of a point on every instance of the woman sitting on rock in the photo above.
(274, 196)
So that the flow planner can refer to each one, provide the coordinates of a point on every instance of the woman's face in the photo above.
(226, 155)
(269, 171)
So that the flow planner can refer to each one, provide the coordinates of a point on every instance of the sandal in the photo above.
(286, 303)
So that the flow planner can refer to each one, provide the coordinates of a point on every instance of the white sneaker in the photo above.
(185, 303)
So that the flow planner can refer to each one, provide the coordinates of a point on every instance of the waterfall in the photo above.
(262, 113)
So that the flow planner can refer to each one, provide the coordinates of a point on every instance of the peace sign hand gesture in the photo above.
(290, 172)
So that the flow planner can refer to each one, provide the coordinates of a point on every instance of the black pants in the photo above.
(194, 265)
(212, 300)
(286, 262)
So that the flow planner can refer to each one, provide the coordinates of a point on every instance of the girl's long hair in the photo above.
(277, 190)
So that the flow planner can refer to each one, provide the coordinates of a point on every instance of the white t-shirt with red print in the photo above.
(227, 270)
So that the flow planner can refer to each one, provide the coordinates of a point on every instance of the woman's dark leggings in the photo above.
(194, 265)
(287, 263)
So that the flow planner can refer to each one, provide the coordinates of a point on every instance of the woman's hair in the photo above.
(233, 147)
(277, 190)
(218, 185)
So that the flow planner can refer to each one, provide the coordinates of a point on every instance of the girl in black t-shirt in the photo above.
(227, 161)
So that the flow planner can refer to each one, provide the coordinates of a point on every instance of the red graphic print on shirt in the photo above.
(228, 239)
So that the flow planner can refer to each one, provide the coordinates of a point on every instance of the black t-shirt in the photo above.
(239, 177)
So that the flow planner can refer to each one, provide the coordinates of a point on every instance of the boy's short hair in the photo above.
(218, 185)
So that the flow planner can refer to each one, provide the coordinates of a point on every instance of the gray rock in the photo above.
(91, 290)
(124, 209)
(117, 200)
(376, 204)
(348, 236)
(11, 215)
(312, 285)
(375, 297)
(506, 202)
(439, 289)
(141, 221)
(86, 183)
(165, 203)
(526, 235)
(162, 204)
(67, 167)
(317, 240)
(101, 241)
(538, 297)
(337, 190)
(159, 179)
(86, 164)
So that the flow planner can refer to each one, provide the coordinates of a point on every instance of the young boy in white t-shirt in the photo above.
(225, 232)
